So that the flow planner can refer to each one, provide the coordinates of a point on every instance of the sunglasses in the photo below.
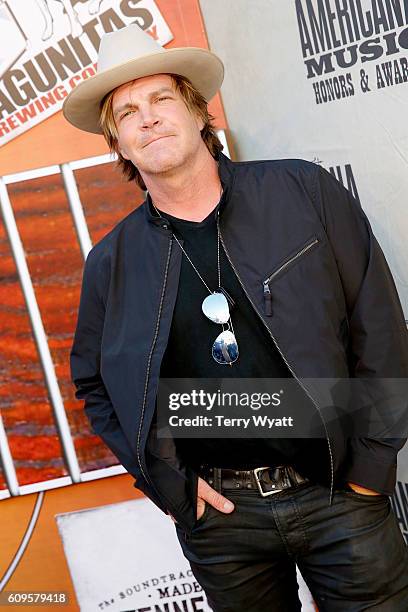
(225, 347)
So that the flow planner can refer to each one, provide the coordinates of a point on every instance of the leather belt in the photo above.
(268, 480)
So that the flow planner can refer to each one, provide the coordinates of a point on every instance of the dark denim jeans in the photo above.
(351, 554)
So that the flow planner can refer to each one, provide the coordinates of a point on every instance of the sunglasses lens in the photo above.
(215, 307)
(225, 348)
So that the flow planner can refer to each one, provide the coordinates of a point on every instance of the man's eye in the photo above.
(163, 98)
(126, 113)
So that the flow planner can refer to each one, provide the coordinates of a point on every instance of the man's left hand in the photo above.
(358, 489)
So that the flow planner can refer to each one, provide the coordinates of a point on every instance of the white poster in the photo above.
(47, 47)
(126, 557)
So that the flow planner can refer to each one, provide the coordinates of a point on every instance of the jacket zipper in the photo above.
(277, 346)
(266, 289)
(139, 458)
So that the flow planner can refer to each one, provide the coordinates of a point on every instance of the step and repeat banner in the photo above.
(352, 68)
(340, 100)
(329, 84)
(349, 60)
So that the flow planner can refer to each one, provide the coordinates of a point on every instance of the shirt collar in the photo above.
(226, 174)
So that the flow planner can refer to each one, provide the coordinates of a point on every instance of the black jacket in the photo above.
(305, 254)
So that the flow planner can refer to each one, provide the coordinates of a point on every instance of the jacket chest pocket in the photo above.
(289, 261)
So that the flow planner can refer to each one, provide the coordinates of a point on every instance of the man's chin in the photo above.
(163, 165)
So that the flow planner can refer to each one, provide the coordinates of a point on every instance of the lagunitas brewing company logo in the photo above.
(47, 47)
(354, 46)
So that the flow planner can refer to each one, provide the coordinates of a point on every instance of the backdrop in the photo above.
(327, 84)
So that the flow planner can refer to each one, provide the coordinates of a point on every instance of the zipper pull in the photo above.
(267, 300)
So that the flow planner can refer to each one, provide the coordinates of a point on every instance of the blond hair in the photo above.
(194, 101)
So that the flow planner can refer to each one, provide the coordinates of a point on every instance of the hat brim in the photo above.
(204, 69)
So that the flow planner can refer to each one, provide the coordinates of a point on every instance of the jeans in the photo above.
(351, 554)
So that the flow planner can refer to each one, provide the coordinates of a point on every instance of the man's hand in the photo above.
(358, 489)
(205, 493)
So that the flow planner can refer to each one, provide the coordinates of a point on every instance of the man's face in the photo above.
(156, 130)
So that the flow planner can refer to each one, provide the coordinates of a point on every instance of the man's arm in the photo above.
(85, 373)
(378, 333)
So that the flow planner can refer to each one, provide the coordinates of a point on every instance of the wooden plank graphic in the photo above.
(55, 262)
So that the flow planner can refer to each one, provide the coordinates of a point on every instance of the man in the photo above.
(304, 290)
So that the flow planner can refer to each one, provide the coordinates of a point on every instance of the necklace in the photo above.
(216, 308)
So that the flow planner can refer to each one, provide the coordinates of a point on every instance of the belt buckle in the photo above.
(258, 482)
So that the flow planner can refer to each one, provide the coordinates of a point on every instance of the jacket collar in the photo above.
(226, 174)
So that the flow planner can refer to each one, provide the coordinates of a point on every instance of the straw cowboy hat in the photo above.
(129, 54)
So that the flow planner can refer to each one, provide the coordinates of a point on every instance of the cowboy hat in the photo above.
(128, 54)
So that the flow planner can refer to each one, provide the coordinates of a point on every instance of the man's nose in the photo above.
(148, 116)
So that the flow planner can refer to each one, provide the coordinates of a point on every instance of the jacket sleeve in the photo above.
(378, 336)
(86, 376)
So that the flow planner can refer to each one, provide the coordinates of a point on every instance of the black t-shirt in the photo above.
(188, 353)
